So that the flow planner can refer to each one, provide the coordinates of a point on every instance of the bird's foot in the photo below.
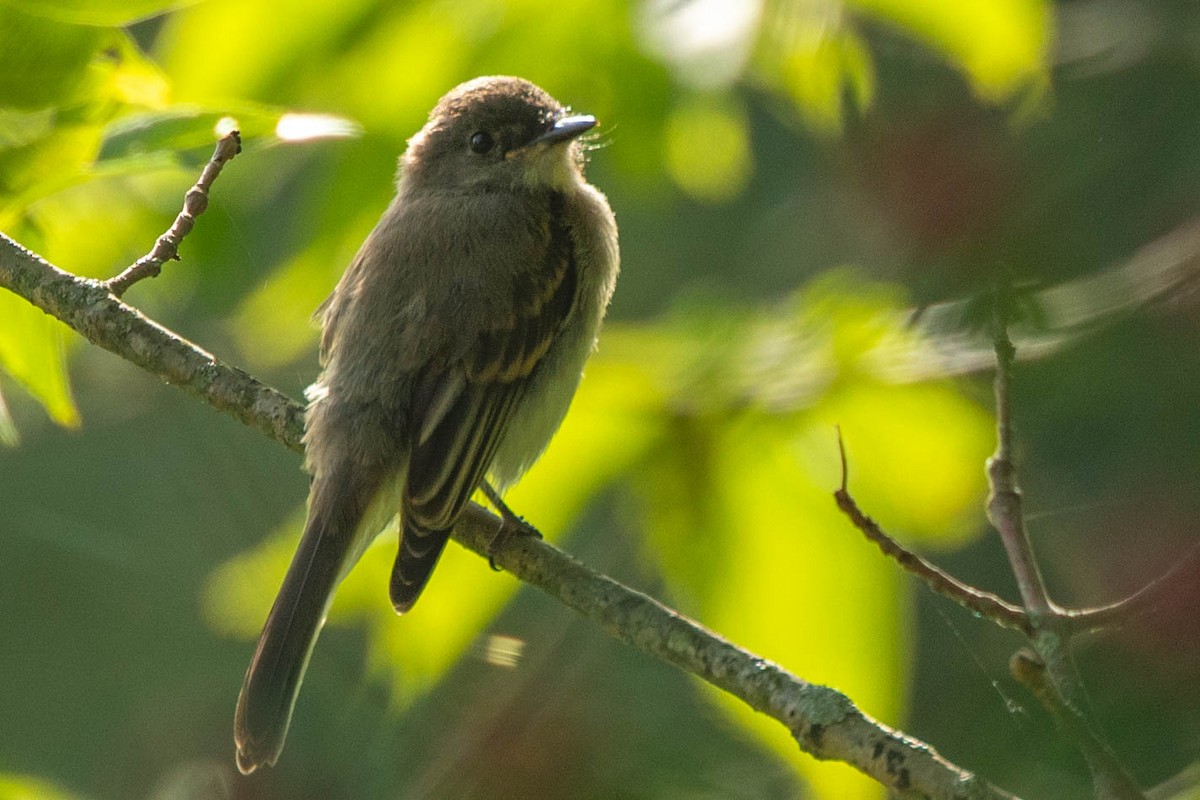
(511, 524)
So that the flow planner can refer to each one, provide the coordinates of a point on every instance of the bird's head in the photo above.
(496, 133)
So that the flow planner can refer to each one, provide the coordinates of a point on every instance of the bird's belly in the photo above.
(543, 406)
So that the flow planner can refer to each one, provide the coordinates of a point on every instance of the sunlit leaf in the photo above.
(757, 552)
(31, 351)
(129, 77)
(820, 71)
(918, 464)
(236, 598)
(426, 35)
(738, 495)
(67, 222)
(410, 653)
(98, 12)
(20, 128)
(188, 133)
(43, 152)
(43, 62)
(28, 787)
(1003, 45)
(708, 148)
(210, 59)
(47, 165)
(829, 608)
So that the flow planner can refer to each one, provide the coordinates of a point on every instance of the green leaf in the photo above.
(708, 148)
(208, 57)
(43, 62)
(737, 525)
(28, 787)
(306, 280)
(31, 351)
(818, 61)
(182, 134)
(409, 654)
(820, 72)
(1002, 45)
(187, 134)
(738, 504)
(48, 164)
(97, 12)
(52, 148)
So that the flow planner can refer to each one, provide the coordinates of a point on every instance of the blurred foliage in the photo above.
(727, 433)
(17, 787)
(749, 148)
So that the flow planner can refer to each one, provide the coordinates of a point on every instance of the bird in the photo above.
(451, 349)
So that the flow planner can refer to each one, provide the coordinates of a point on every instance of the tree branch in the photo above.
(89, 308)
(824, 722)
(1004, 505)
(195, 202)
(1030, 670)
(1144, 600)
(1052, 676)
(1049, 673)
(986, 604)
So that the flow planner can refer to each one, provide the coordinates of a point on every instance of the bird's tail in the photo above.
(418, 555)
(336, 533)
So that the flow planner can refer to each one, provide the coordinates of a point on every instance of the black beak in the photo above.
(566, 129)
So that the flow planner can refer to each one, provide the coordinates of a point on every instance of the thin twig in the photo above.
(1055, 680)
(1004, 505)
(823, 721)
(985, 604)
(1143, 601)
(1029, 670)
(195, 202)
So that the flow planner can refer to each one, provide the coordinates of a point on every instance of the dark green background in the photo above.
(114, 685)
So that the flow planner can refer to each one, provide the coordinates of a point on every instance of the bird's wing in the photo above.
(463, 409)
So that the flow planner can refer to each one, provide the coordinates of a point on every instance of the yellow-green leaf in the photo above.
(708, 147)
(42, 62)
(31, 351)
(98, 12)
(1003, 45)
(28, 787)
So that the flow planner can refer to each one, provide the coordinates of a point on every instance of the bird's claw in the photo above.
(511, 525)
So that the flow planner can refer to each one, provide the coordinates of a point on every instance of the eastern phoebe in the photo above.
(451, 347)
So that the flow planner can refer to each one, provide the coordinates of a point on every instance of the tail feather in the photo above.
(332, 541)
(418, 555)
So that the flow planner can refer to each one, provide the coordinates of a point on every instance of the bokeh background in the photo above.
(817, 198)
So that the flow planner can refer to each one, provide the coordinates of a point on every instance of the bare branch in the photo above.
(1029, 669)
(1051, 674)
(978, 601)
(824, 722)
(89, 308)
(1004, 505)
(195, 202)
(1144, 600)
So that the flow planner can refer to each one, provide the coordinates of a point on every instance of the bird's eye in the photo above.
(482, 141)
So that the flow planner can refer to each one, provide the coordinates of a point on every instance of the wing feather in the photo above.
(471, 403)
